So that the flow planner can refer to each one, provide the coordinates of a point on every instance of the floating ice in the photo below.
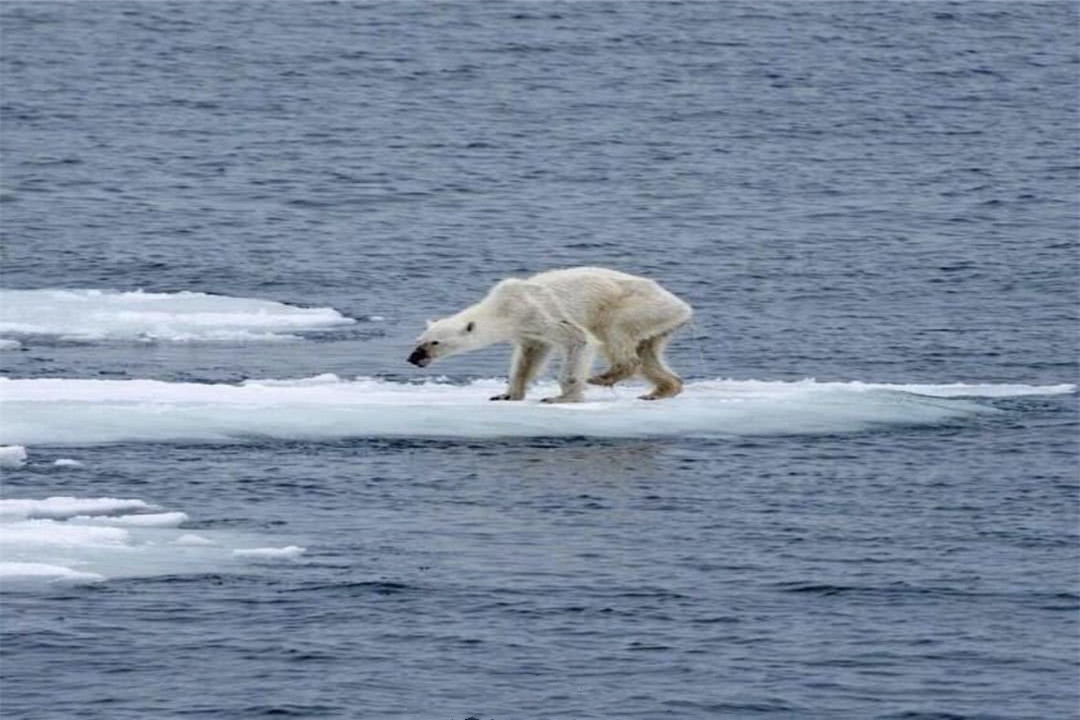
(165, 519)
(18, 573)
(290, 552)
(78, 540)
(192, 539)
(12, 456)
(88, 315)
(81, 412)
(67, 463)
(52, 534)
(8, 344)
(62, 508)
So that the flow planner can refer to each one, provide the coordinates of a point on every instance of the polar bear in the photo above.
(629, 319)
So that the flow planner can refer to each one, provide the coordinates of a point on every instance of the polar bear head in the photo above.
(494, 319)
(454, 335)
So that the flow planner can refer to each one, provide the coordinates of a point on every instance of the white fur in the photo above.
(577, 311)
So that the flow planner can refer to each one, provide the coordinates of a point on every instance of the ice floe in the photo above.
(85, 412)
(290, 552)
(20, 573)
(96, 315)
(192, 539)
(164, 519)
(63, 507)
(12, 456)
(83, 539)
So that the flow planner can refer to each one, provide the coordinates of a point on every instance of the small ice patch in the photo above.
(67, 463)
(54, 535)
(193, 539)
(166, 519)
(12, 456)
(13, 573)
(63, 507)
(291, 552)
(96, 315)
(8, 344)
(84, 539)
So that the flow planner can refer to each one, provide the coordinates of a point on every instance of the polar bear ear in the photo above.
(429, 322)
(470, 327)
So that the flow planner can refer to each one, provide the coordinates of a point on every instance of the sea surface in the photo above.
(225, 494)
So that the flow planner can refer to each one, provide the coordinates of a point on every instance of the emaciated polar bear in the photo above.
(577, 310)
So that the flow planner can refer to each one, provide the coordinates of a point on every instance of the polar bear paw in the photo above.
(616, 373)
(562, 399)
(663, 390)
(507, 396)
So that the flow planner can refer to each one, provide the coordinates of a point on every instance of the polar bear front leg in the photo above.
(529, 357)
(575, 369)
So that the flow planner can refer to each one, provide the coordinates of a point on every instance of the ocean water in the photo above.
(225, 494)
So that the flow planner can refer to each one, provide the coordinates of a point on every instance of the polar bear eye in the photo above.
(434, 342)
(470, 327)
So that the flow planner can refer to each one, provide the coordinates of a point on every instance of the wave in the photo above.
(110, 315)
(65, 540)
(59, 411)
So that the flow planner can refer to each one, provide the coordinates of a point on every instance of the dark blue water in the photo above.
(881, 192)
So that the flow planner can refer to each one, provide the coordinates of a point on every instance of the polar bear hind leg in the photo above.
(620, 350)
(666, 383)
(635, 337)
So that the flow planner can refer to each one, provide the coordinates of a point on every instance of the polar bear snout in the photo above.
(420, 357)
